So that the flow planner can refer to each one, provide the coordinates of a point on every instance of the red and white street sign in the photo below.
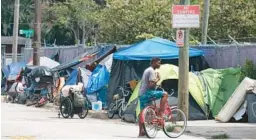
(185, 16)
(180, 38)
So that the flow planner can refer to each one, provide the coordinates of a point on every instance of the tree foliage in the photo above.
(7, 15)
(248, 70)
(124, 20)
(232, 17)
(76, 15)
(128, 21)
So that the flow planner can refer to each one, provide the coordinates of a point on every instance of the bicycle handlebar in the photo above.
(124, 91)
(171, 93)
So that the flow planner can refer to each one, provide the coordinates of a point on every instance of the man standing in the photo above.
(147, 89)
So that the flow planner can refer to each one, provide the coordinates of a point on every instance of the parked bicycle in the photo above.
(174, 122)
(119, 105)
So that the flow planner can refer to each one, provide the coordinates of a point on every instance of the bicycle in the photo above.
(119, 105)
(150, 120)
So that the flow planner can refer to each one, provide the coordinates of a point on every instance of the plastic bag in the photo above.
(79, 99)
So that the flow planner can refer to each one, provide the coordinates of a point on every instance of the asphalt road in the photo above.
(21, 122)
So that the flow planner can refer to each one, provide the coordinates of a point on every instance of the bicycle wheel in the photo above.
(66, 107)
(85, 111)
(111, 110)
(175, 123)
(149, 116)
(121, 110)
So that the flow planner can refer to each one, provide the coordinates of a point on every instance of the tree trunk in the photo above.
(205, 21)
(75, 34)
(83, 37)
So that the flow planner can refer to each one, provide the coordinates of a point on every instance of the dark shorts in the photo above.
(144, 99)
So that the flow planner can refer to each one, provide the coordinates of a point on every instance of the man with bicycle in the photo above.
(147, 90)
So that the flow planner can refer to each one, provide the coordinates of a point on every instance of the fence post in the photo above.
(212, 41)
(237, 50)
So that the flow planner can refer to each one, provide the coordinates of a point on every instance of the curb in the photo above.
(49, 106)
(98, 114)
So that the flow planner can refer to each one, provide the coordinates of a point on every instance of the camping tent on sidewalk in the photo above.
(129, 63)
(45, 61)
(219, 85)
(169, 80)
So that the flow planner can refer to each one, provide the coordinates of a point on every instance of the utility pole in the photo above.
(15, 30)
(205, 21)
(183, 92)
(37, 35)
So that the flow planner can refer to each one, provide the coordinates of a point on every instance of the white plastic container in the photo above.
(97, 106)
(235, 101)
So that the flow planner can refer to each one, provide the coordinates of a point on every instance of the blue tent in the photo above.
(12, 71)
(155, 47)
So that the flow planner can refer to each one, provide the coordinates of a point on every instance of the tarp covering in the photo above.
(156, 47)
(73, 78)
(76, 61)
(107, 62)
(12, 71)
(88, 57)
(94, 82)
(123, 71)
(45, 61)
(40, 71)
(218, 86)
(98, 79)
(56, 56)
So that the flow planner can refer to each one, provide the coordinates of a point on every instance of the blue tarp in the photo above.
(98, 79)
(94, 84)
(72, 79)
(155, 47)
(12, 71)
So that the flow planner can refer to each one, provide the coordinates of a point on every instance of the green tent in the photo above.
(168, 71)
(218, 86)
(210, 88)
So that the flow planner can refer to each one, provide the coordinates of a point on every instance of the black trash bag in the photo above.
(40, 71)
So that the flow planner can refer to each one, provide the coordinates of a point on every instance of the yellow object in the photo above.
(168, 71)
(133, 84)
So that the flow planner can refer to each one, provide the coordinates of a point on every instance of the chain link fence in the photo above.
(224, 56)
(217, 56)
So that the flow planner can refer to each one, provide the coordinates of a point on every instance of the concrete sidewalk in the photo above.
(211, 129)
(49, 106)
(206, 128)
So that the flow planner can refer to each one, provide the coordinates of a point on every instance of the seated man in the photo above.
(147, 89)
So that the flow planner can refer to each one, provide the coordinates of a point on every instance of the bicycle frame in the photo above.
(167, 112)
(119, 102)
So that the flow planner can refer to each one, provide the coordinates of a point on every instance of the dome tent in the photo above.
(130, 63)
(197, 105)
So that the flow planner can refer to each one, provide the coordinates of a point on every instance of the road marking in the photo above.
(22, 137)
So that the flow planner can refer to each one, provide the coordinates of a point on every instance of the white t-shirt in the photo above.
(148, 75)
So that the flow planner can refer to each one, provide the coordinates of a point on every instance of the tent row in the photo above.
(209, 90)
(51, 73)
(104, 69)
